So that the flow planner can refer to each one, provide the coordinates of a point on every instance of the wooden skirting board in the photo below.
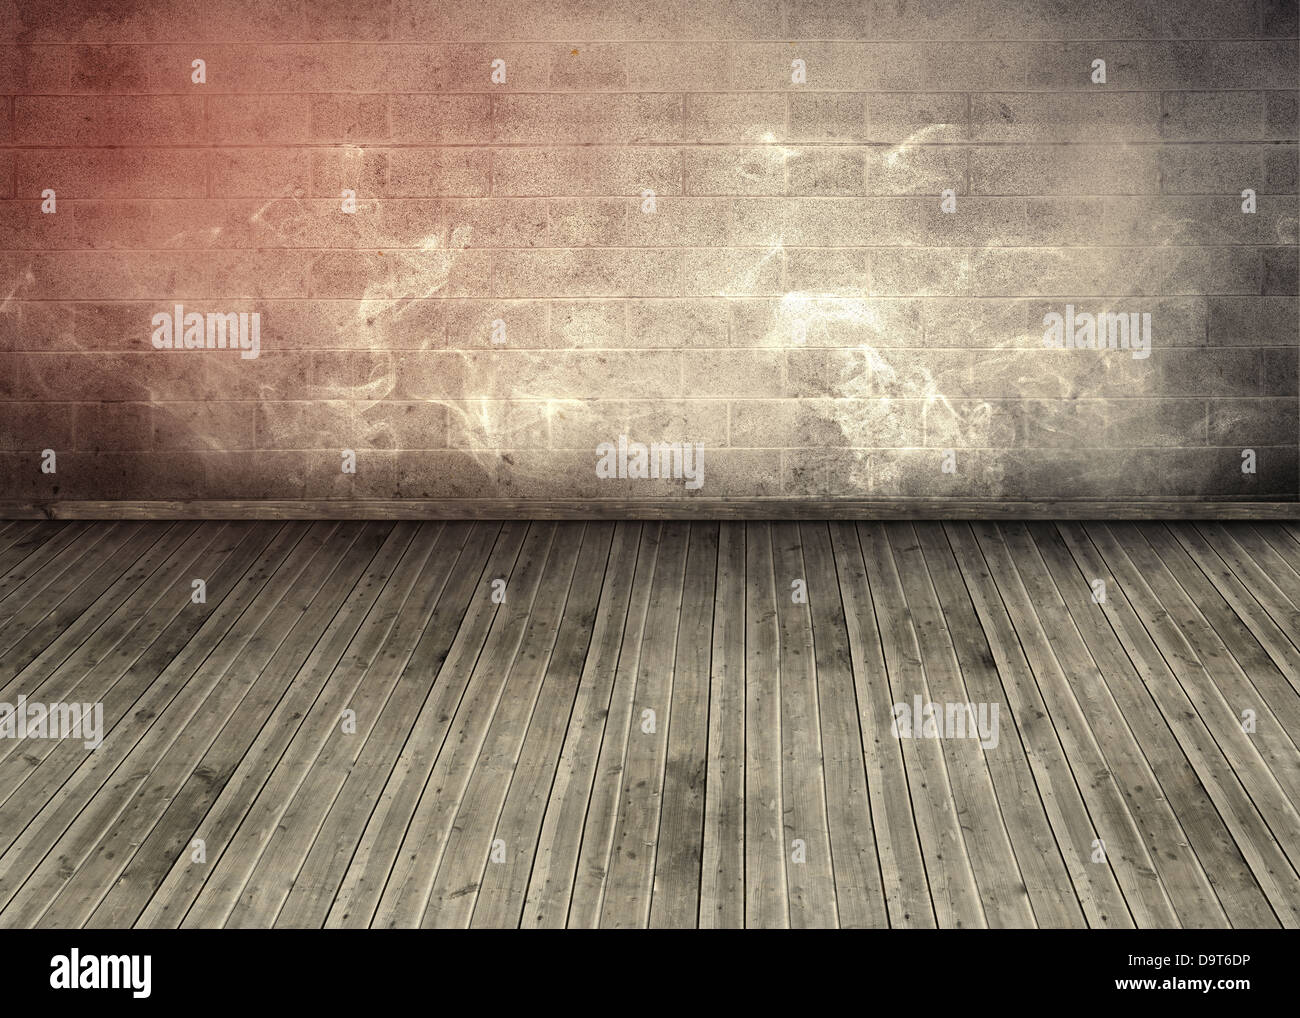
(658, 509)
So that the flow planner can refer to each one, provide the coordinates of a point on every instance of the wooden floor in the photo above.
(649, 724)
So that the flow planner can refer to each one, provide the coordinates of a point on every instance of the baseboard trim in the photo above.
(663, 509)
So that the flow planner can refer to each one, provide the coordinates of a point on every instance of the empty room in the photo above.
(648, 464)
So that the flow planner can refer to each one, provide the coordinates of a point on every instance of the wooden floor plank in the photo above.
(722, 880)
(561, 617)
(1146, 750)
(504, 770)
(1037, 856)
(131, 860)
(1036, 610)
(504, 887)
(22, 540)
(554, 868)
(1095, 886)
(1185, 695)
(137, 669)
(411, 882)
(767, 904)
(675, 902)
(588, 896)
(47, 618)
(629, 877)
(91, 674)
(369, 868)
(810, 875)
(344, 786)
(107, 783)
(1243, 670)
(902, 867)
(76, 647)
(952, 879)
(859, 894)
(149, 684)
(1252, 592)
(988, 845)
(243, 822)
(37, 565)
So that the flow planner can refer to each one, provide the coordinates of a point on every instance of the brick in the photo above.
(108, 120)
(37, 325)
(733, 273)
(586, 171)
(349, 118)
(732, 19)
(827, 116)
(417, 173)
(993, 19)
(1280, 18)
(463, 68)
(1212, 116)
(589, 68)
(745, 118)
(1207, 169)
(1196, 19)
(261, 173)
(918, 169)
(562, 119)
(826, 273)
(498, 222)
(605, 273)
(129, 69)
(677, 222)
(739, 373)
(678, 66)
(98, 173)
(829, 66)
(259, 119)
(586, 222)
(202, 425)
(1245, 423)
(573, 324)
(1105, 117)
(827, 171)
(1253, 321)
(1074, 169)
(576, 374)
(34, 70)
(611, 20)
(711, 171)
(1281, 169)
(1281, 372)
(102, 275)
(1281, 271)
(918, 118)
(1282, 115)
(31, 427)
(820, 423)
(129, 21)
(679, 324)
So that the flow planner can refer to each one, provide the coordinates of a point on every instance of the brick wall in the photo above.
(793, 297)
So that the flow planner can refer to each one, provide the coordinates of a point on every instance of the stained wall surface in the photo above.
(817, 241)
